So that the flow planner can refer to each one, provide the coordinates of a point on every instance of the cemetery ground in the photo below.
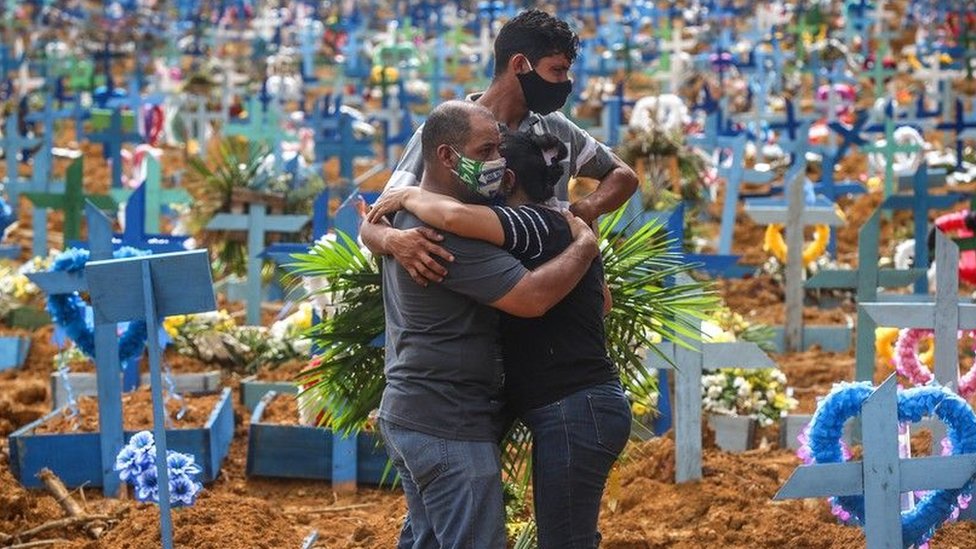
(731, 506)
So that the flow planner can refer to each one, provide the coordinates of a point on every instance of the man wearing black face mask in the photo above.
(533, 55)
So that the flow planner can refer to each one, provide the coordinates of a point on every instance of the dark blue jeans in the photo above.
(575, 443)
(453, 490)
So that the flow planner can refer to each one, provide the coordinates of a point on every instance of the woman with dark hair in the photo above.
(559, 379)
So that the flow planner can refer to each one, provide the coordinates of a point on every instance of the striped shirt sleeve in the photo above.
(526, 231)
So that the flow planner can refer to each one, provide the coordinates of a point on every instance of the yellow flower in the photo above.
(639, 409)
(172, 324)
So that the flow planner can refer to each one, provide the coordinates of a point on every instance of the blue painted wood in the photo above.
(13, 145)
(963, 128)
(75, 458)
(253, 390)
(257, 224)
(168, 284)
(919, 203)
(828, 338)
(113, 284)
(112, 138)
(13, 351)
(296, 451)
(134, 233)
(156, 196)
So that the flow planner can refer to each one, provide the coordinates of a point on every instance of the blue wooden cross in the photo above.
(334, 136)
(112, 139)
(47, 116)
(964, 129)
(919, 203)
(865, 282)
(135, 232)
(257, 223)
(71, 203)
(881, 476)
(263, 127)
(156, 197)
(735, 174)
(106, 347)
(150, 288)
(308, 35)
(13, 143)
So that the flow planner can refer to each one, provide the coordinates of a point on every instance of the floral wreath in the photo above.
(68, 310)
(774, 243)
(909, 364)
(822, 444)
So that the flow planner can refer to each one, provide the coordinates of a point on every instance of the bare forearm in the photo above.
(612, 192)
(375, 236)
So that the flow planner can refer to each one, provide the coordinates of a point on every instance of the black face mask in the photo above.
(541, 95)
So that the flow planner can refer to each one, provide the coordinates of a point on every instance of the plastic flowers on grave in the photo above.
(215, 337)
(136, 464)
(16, 290)
(759, 394)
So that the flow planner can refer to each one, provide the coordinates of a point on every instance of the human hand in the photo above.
(390, 201)
(578, 226)
(415, 249)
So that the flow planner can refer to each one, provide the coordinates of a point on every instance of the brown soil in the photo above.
(282, 410)
(760, 300)
(283, 372)
(730, 507)
(137, 413)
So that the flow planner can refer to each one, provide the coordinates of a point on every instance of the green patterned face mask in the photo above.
(481, 176)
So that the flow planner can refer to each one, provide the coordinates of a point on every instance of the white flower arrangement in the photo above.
(759, 394)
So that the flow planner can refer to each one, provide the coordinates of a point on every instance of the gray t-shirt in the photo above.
(443, 370)
(587, 157)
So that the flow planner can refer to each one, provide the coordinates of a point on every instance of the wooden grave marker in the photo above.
(919, 203)
(888, 150)
(150, 288)
(12, 143)
(945, 316)
(795, 215)
(112, 138)
(71, 202)
(256, 223)
(881, 476)
(106, 345)
(689, 359)
(156, 196)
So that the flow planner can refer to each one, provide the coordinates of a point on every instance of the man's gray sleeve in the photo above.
(480, 271)
(593, 159)
(411, 166)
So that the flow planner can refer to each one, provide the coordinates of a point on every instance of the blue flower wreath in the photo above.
(68, 310)
(844, 402)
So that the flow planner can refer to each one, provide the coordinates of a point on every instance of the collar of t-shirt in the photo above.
(530, 120)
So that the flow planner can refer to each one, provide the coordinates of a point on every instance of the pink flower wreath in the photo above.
(907, 362)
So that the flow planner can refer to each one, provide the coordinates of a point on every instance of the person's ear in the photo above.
(446, 156)
(522, 64)
(508, 182)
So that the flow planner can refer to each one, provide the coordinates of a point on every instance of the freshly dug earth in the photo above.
(730, 507)
(137, 413)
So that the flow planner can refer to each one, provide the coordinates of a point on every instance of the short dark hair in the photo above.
(524, 153)
(536, 34)
(448, 124)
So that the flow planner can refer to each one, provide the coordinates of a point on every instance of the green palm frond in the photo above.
(345, 378)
